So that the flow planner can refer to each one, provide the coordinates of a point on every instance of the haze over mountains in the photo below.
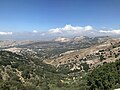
(66, 31)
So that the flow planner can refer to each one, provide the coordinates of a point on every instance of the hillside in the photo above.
(24, 73)
(21, 73)
(106, 77)
(55, 66)
(93, 56)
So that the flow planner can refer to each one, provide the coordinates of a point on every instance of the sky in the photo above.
(59, 17)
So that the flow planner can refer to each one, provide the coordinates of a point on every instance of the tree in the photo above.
(101, 58)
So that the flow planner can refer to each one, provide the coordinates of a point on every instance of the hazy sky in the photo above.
(44, 15)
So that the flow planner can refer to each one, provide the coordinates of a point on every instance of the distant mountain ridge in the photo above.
(81, 39)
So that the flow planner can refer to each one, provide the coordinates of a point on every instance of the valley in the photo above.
(55, 64)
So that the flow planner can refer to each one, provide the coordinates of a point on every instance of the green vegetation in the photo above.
(25, 73)
(106, 77)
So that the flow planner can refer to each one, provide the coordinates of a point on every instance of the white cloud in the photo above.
(35, 31)
(110, 31)
(54, 31)
(70, 29)
(88, 28)
(6, 33)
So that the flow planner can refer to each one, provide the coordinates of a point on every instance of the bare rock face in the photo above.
(75, 39)
(62, 39)
(78, 38)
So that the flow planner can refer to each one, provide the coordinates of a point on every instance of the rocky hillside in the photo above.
(88, 58)
(57, 65)
(22, 73)
(18, 72)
